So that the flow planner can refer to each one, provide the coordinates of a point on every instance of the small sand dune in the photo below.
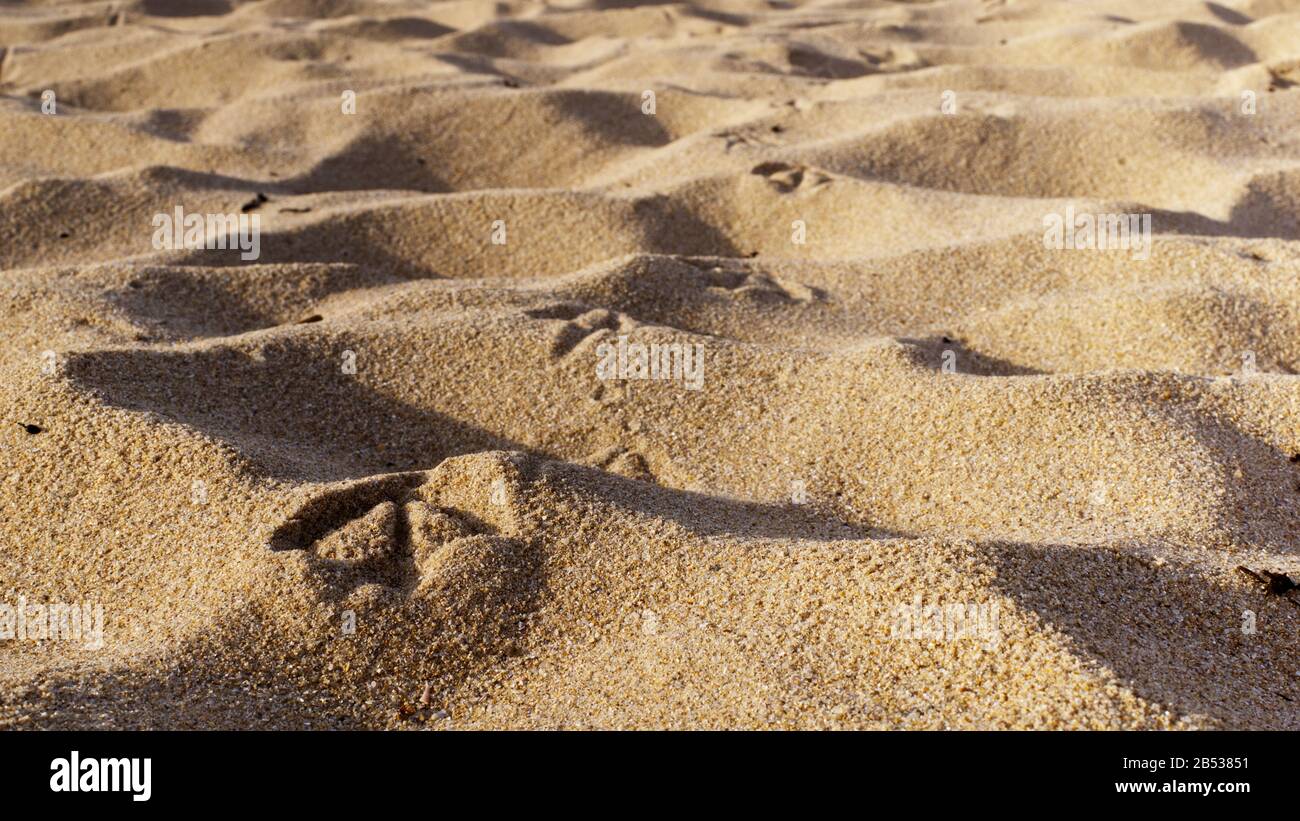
(907, 464)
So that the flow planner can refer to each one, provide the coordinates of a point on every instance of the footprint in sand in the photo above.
(582, 328)
(785, 177)
(392, 533)
(756, 284)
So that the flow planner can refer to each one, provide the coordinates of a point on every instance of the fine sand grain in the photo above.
(923, 470)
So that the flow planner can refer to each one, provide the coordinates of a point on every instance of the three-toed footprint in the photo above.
(398, 533)
(582, 326)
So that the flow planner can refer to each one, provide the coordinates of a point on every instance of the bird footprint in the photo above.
(396, 532)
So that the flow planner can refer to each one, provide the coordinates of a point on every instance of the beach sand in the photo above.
(910, 464)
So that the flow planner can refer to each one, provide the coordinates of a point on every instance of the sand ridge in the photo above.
(936, 475)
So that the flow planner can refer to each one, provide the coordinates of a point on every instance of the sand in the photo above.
(922, 469)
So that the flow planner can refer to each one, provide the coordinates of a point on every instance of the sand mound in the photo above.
(900, 463)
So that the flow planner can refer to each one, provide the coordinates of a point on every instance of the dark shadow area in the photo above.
(1253, 218)
(183, 303)
(253, 692)
(494, 39)
(356, 237)
(475, 64)
(297, 416)
(704, 514)
(1120, 610)
(1216, 44)
(672, 228)
(934, 352)
(1227, 15)
(399, 28)
(184, 8)
(812, 62)
(373, 162)
(613, 118)
(381, 240)
(1268, 520)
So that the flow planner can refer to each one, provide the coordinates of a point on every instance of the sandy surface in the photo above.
(383, 475)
